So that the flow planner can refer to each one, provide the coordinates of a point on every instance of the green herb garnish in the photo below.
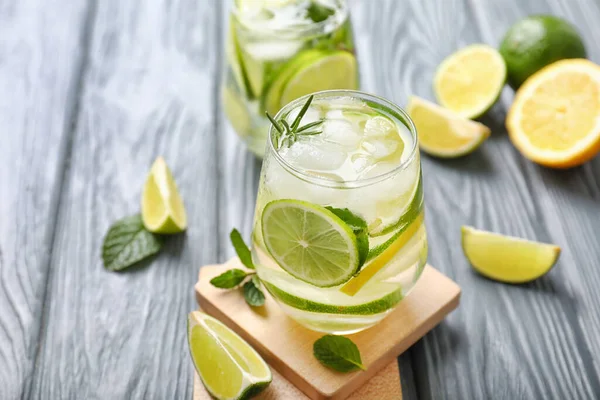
(234, 277)
(338, 353)
(286, 134)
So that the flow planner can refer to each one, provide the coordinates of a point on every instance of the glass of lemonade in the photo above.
(279, 50)
(338, 237)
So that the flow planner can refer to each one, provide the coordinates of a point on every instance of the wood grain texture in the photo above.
(148, 90)
(504, 342)
(286, 345)
(40, 61)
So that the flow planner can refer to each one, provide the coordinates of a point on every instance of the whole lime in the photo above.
(536, 41)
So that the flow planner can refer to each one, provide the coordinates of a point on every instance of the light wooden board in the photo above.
(287, 346)
(385, 385)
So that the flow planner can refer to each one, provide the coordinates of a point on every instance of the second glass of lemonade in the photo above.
(279, 50)
(339, 238)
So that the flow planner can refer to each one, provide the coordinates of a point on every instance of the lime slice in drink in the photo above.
(333, 70)
(162, 207)
(470, 81)
(234, 60)
(375, 299)
(310, 242)
(271, 99)
(227, 365)
(443, 133)
(379, 256)
(505, 258)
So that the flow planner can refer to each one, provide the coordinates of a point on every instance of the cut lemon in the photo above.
(505, 258)
(310, 242)
(442, 133)
(226, 364)
(162, 207)
(381, 255)
(555, 117)
(470, 81)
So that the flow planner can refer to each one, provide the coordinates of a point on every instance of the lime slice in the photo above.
(470, 81)
(381, 255)
(442, 133)
(234, 60)
(162, 207)
(333, 70)
(271, 99)
(227, 365)
(505, 258)
(310, 242)
(375, 299)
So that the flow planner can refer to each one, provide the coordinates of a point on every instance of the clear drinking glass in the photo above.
(279, 50)
(339, 238)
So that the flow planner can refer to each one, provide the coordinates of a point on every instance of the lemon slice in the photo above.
(226, 364)
(555, 117)
(505, 258)
(470, 81)
(442, 133)
(162, 207)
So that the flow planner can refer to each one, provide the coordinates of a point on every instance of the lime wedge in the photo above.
(271, 99)
(442, 133)
(310, 242)
(505, 258)
(381, 255)
(227, 365)
(375, 299)
(162, 207)
(470, 81)
(333, 70)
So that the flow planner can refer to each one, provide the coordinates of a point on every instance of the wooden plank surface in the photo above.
(286, 345)
(148, 90)
(92, 91)
(40, 65)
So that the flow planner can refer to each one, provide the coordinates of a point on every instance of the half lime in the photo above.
(310, 242)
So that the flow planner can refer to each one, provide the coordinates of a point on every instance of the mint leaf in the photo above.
(359, 227)
(319, 13)
(338, 353)
(229, 279)
(128, 242)
(253, 295)
(241, 249)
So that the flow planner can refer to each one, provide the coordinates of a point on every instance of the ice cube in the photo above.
(380, 148)
(379, 127)
(341, 132)
(307, 155)
(360, 162)
(312, 114)
(377, 169)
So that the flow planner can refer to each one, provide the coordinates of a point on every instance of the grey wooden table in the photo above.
(92, 91)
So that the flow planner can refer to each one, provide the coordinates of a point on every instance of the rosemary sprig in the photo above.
(287, 135)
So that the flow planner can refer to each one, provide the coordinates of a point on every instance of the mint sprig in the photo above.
(360, 229)
(235, 277)
(286, 134)
(338, 353)
(127, 243)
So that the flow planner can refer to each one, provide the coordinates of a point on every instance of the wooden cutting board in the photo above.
(287, 346)
(385, 385)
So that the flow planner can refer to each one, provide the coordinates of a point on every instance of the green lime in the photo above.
(162, 207)
(374, 299)
(236, 111)
(536, 41)
(271, 99)
(333, 70)
(505, 258)
(226, 364)
(234, 59)
(310, 242)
